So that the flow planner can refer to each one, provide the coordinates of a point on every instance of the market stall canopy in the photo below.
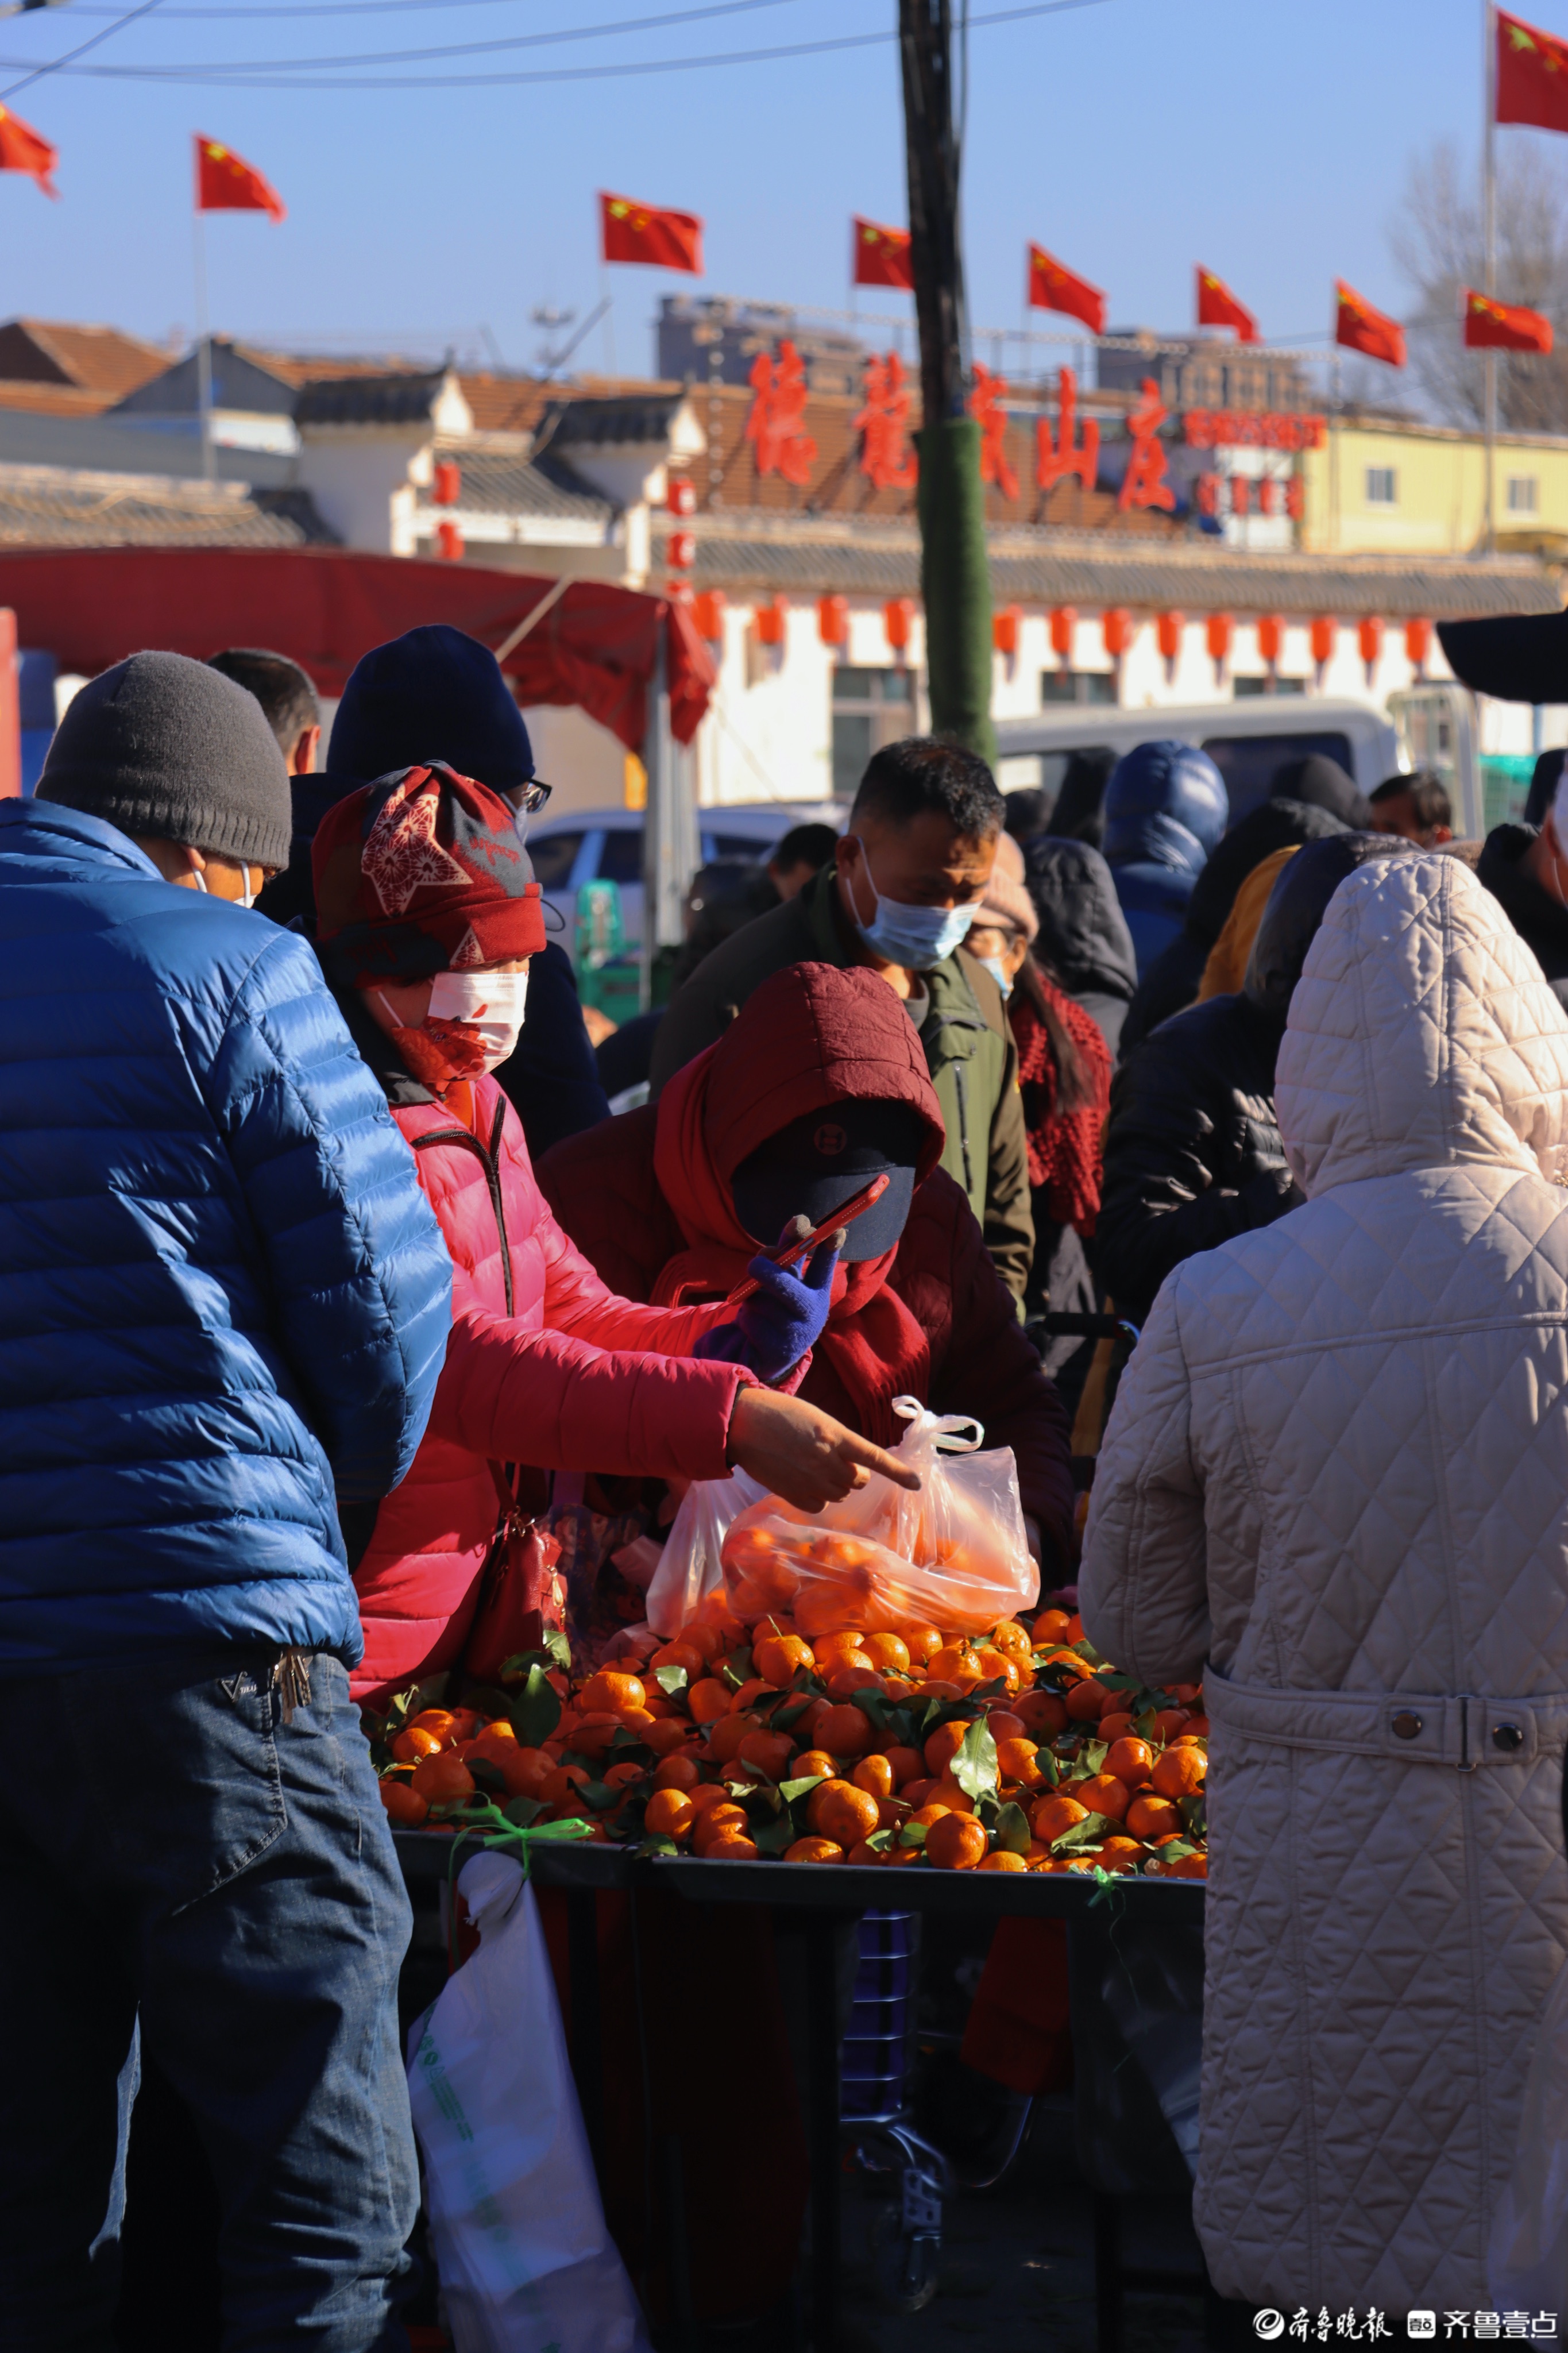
(1518, 658)
(594, 644)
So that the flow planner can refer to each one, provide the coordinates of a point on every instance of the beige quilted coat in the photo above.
(1335, 1484)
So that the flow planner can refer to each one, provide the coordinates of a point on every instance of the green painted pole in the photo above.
(955, 578)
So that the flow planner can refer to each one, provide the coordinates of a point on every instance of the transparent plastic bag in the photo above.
(1527, 2261)
(691, 1569)
(953, 1556)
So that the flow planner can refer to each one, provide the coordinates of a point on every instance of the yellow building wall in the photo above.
(1439, 491)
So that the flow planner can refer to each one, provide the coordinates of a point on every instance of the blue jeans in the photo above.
(176, 1860)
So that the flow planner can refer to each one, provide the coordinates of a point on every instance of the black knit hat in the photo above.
(162, 745)
(434, 694)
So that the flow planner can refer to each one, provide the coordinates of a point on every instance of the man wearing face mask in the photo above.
(428, 915)
(899, 898)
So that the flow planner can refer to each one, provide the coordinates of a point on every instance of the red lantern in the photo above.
(1005, 631)
(1116, 627)
(446, 485)
(833, 620)
(1369, 636)
(1168, 635)
(1417, 644)
(1270, 637)
(1323, 633)
(1266, 499)
(898, 617)
(1240, 494)
(448, 543)
(680, 550)
(1063, 620)
(1218, 631)
(770, 623)
(708, 614)
(681, 498)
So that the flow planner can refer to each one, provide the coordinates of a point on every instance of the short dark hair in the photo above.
(804, 845)
(279, 685)
(1429, 803)
(904, 780)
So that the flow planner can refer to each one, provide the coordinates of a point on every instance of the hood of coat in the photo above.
(1322, 783)
(1166, 805)
(1083, 933)
(811, 1036)
(1272, 824)
(1421, 1035)
(1295, 906)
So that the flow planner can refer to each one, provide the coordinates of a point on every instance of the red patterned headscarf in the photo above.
(423, 872)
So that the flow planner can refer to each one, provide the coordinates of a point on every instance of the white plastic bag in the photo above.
(1527, 2265)
(691, 1568)
(526, 2263)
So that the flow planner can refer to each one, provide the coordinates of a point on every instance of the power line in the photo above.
(58, 65)
(459, 48)
(261, 77)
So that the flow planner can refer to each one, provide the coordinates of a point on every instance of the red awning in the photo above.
(596, 646)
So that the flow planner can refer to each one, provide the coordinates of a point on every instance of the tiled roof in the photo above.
(94, 359)
(505, 483)
(53, 399)
(754, 553)
(639, 417)
(49, 506)
(367, 399)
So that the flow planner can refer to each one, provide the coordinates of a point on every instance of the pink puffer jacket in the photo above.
(527, 1378)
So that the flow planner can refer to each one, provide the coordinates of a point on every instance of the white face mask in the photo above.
(246, 897)
(490, 1002)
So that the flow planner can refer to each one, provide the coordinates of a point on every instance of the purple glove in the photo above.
(773, 1328)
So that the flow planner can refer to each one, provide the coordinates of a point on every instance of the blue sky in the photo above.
(1132, 137)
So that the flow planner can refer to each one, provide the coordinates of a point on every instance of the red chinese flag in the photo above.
(1052, 288)
(22, 150)
(1362, 329)
(225, 183)
(1531, 76)
(882, 256)
(1492, 326)
(663, 239)
(1217, 307)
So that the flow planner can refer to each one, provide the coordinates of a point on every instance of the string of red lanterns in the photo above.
(1119, 628)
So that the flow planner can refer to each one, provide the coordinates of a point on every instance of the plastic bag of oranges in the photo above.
(954, 1555)
(690, 1568)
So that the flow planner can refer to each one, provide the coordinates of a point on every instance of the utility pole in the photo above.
(1488, 239)
(955, 579)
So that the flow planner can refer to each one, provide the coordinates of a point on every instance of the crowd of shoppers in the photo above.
(328, 1255)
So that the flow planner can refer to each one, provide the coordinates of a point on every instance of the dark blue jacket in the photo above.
(223, 1288)
(1165, 807)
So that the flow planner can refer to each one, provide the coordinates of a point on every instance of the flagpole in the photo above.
(1489, 230)
(203, 349)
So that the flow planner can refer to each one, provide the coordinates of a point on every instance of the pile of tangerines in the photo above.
(1021, 1750)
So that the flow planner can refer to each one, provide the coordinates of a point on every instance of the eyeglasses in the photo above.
(529, 799)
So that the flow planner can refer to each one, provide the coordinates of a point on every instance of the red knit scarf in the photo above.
(1064, 1146)
(876, 1348)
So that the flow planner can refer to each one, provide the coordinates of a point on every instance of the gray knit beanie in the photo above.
(161, 745)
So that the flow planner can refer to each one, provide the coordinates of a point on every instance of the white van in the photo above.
(607, 846)
(1248, 740)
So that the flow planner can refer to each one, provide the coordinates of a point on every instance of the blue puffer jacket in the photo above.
(1165, 807)
(223, 1288)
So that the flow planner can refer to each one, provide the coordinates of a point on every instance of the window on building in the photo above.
(871, 708)
(1244, 688)
(1381, 486)
(1523, 496)
(1078, 686)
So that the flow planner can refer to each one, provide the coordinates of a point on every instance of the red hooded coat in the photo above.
(646, 1197)
(537, 1371)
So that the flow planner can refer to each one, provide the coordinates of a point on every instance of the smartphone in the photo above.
(783, 1253)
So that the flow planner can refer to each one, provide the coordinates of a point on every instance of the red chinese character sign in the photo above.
(886, 457)
(985, 406)
(1146, 482)
(775, 427)
(1063, 458)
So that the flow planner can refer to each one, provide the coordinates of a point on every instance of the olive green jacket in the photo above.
(967, 1038)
